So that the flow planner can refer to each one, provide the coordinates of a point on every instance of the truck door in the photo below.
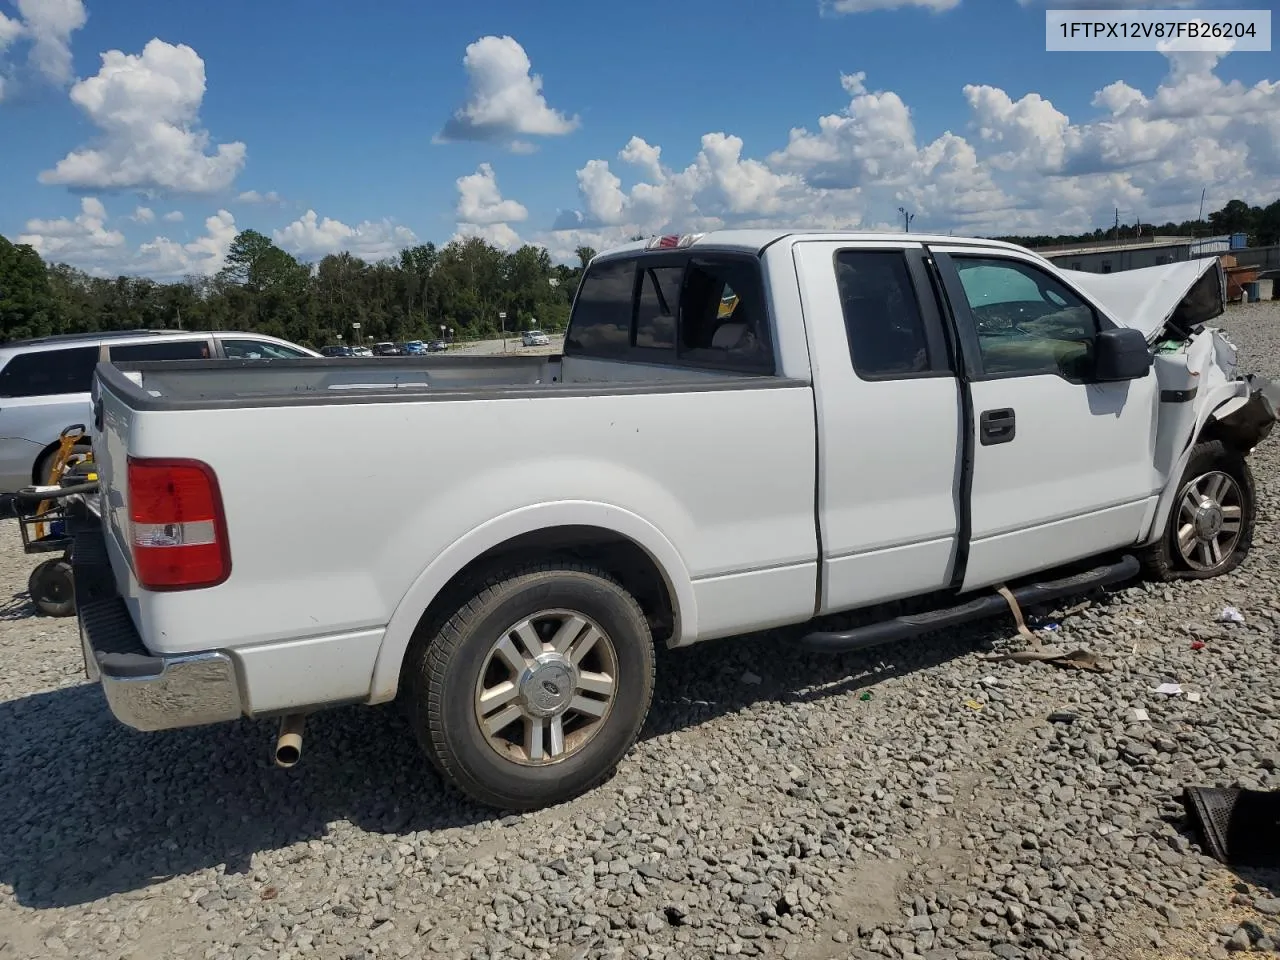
(889, 421)
(1062, 468)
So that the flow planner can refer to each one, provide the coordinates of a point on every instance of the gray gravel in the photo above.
(911, 802)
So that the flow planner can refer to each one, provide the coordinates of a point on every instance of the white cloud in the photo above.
(84, 238)
(146, 108)
(85, 242)
(310, 236)
(173, 216)
(504, 99)
(1020, 165)
(204, 256)
(253, 196)
(10, 30)
(48, 24)
(144, 215)
(480, 202)
(501, 235)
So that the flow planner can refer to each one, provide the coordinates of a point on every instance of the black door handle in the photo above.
(996, 426)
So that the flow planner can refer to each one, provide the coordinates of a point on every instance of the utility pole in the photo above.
(1117, 236)
(906, 219)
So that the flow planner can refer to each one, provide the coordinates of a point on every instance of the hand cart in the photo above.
(43, 513)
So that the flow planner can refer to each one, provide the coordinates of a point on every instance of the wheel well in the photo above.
(617, 555)
(42, 456)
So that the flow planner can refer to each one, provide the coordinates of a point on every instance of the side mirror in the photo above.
(1121, 354)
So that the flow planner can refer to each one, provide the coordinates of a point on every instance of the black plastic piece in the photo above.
(1121, 353)
(1236, 826)
(979, 608)
(1178, 396)
(997, 426)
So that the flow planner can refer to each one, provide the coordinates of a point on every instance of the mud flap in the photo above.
(1249, 424)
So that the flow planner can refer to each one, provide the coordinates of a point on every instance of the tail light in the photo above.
(179, 529)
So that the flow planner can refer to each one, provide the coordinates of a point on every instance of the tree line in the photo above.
(459, 291)
(456, 291)
(1261, 224)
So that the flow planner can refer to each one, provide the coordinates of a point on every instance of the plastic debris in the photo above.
(1197, 644)
(1138, 715)
(973, 704)
(1230, 615)
(750, 678)
(865, 696)
(1062, 716)
(1169, 689)
(1193, 697)
(988, 681)
(1051, 627)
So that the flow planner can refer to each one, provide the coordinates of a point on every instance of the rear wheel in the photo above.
(1210, 526)
(534, 689)
(52, 588)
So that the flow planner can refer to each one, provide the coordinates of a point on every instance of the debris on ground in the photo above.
(1230, 615)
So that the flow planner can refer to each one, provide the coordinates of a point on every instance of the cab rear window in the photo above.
(687, 309)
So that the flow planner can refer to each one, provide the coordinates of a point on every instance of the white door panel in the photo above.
(1062, 468)
(888, 462)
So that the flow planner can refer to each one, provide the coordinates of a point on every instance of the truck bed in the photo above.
(199, 384)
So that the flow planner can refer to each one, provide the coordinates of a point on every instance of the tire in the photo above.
(464, 673)
(45, 466)
(1166, 560)
(52, 588)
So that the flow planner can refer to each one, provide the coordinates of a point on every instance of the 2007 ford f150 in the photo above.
(746, 430)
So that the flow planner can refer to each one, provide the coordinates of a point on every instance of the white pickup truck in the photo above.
(745, 430)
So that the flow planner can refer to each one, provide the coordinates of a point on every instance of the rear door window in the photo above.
(162, 350)
(44, 373)
(887, 337)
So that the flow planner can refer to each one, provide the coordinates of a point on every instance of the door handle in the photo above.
(997, 426)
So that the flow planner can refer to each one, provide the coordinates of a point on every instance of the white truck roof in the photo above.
(752, 241)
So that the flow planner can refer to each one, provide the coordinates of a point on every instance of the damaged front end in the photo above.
(1244, 422)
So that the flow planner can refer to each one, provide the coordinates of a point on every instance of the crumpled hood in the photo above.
(1148, 299)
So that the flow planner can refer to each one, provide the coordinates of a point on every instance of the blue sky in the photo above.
(321, 124)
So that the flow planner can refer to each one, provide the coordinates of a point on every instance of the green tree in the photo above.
(26, 298)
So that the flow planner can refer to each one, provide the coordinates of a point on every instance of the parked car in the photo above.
(44, 384)
(414, 348)
(386, 350)
(334, 350)
(437, 346)
(361, 352)
(746, 431)
(535, 338)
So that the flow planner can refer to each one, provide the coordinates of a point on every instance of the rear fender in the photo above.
(526, 520)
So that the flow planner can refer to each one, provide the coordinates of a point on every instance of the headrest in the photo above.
(728, 335)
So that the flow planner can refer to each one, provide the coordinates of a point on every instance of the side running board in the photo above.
(979, 608)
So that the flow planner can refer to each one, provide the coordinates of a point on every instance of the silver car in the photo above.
(44, 384)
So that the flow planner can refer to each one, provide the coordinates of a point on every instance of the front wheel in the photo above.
(1210, 526)
(534, 689)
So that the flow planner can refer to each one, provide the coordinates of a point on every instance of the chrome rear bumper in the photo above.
(143, 690)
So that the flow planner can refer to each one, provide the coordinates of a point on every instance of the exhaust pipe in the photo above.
(289, 740)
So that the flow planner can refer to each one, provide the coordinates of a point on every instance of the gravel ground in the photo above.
(915, 801)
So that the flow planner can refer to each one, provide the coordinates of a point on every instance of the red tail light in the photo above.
(179, 529)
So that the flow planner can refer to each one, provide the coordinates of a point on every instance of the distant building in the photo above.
(1108, 256)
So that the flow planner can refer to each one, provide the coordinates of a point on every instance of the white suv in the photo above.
(44, 384)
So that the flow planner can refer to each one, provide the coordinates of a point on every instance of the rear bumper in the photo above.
(144, 691)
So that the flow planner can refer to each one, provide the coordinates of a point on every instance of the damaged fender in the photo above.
(1241, 413)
